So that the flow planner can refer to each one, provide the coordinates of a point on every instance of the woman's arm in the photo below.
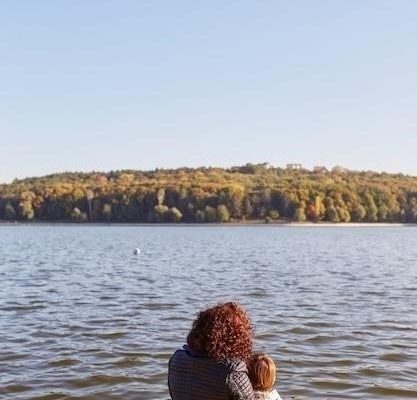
(239, 384)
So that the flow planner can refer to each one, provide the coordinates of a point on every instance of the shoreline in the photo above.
(257, 223)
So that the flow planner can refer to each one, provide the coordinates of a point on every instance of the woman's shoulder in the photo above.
(186, 352)
(187, 355)
(179, 353)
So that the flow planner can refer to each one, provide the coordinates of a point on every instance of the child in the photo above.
(262, 374)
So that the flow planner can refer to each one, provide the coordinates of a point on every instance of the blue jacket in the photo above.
(193, 376)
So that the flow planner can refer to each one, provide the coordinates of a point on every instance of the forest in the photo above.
(253, 192)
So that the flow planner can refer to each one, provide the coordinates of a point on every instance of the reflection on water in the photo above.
(82, 317)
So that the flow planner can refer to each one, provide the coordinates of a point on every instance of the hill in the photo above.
(250, 192)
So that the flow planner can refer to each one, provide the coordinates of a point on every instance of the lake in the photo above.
(81, 317)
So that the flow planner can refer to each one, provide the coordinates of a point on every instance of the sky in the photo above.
(104, 85)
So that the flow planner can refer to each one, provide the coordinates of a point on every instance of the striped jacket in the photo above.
(193, 376)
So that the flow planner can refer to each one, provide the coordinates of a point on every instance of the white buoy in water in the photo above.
(136, 252)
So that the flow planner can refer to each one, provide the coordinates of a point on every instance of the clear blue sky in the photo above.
(101, 85)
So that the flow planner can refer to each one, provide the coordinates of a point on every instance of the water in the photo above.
(81, 317)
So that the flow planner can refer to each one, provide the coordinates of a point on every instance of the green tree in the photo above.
(331, 214)
(319, 208)
(411, 210)
(273, 214)
(200, 217)
(9, 212)
(371, 209)
(89, 195)
(160, 213)
(223, 214)
(358, 213)
(107, 211)
(247, 208)
(174, 215)
(78, 216)
(382, 213)
(210, 214)
(160, 195)
(343, 214)
(26, 210)
(300, 215)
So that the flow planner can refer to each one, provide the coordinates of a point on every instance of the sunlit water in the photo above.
(81, 317)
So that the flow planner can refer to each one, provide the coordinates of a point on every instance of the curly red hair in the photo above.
(222, 332)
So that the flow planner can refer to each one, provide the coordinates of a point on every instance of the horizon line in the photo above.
(266, 164)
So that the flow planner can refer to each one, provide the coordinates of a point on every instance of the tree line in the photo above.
(199, 195)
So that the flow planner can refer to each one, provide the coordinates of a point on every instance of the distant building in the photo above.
(320, 169)
(294, 166)
(266, 165)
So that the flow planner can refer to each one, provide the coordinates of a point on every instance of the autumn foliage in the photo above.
(250, 192)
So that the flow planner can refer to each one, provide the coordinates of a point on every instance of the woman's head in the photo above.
(222, 332)
(262, 372)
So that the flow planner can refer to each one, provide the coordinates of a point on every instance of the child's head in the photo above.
(262, 372)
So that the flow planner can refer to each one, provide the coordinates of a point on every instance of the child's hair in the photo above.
(262, 372)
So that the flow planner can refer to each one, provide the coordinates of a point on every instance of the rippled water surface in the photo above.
(81, 317)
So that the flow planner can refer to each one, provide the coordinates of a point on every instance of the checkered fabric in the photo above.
(195, 377)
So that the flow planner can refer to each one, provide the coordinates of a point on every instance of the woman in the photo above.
(212, 366)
